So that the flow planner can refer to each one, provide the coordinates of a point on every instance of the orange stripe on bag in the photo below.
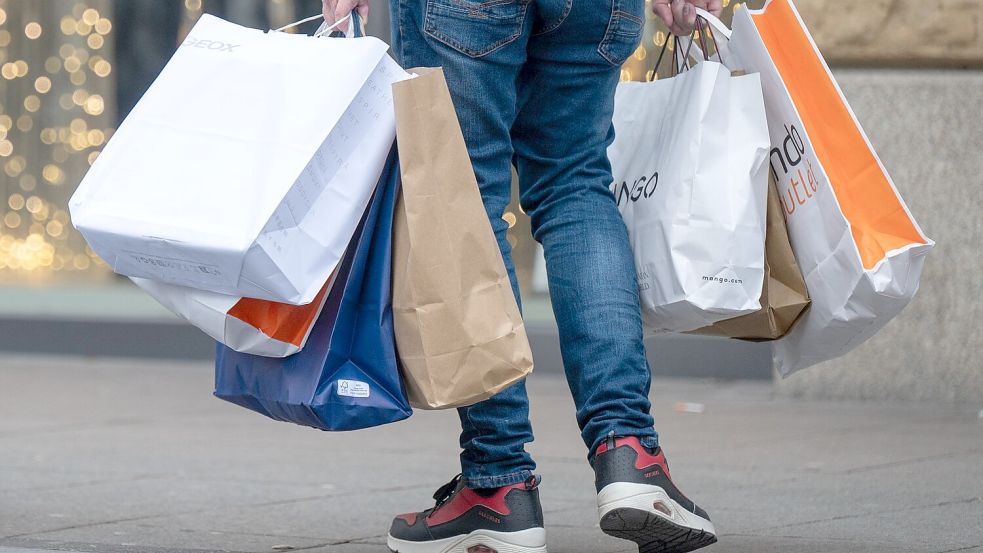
(877, 217)
(281, 321)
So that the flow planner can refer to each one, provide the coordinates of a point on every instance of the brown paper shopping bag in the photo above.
(783, 295)
(459, 333)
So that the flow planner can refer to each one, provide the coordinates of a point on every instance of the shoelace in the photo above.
(445, 492)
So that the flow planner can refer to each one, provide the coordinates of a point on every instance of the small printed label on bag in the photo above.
(353, 388)
(722, 280)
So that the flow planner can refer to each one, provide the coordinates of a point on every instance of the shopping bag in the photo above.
(459, 332)
(347, 376)
(858, 246)
(246, 166)
(247, 325)
(783, 297)
(689, 160)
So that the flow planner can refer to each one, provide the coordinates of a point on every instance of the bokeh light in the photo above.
(54, 116)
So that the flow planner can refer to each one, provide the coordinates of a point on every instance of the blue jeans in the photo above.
(533, 82)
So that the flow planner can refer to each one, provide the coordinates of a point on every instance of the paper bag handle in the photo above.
(713, 24)
(715, 27)
(354, 30)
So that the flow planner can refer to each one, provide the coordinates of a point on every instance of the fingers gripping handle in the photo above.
(685, 48)
(714, 22)
(354, 30)
(718, 32)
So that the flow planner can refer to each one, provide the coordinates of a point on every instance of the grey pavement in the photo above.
(125, 455)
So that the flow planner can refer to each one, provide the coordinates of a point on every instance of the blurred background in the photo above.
(70, 70)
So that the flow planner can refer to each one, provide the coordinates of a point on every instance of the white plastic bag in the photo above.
(247, 165)
(689, 160)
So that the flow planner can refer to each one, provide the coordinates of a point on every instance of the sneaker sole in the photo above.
(653, 533)
(647, 516)
(532, 540)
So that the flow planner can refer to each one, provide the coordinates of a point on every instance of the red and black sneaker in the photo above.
(637, 501)
(464, 520)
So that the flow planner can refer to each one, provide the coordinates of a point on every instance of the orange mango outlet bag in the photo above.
(858, 245)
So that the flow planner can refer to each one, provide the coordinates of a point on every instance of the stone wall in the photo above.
(922, 124)
(925, 33)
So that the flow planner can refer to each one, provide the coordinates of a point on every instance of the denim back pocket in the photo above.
(624, 30)
(475, 27)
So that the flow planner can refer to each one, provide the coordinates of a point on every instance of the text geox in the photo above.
(216, 45)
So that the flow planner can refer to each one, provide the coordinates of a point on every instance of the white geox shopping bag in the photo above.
(689, 160)
(858, 246)
(246, 167)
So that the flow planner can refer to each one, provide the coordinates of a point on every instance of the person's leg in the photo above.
(561, 136)
(495, 505)
(481, 51)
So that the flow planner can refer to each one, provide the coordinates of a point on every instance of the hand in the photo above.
(680, 15)
(338, 9)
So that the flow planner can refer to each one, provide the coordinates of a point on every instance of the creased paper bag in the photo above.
(459, 332)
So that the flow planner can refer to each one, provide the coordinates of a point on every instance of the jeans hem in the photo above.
(488, 482)
(649, 439)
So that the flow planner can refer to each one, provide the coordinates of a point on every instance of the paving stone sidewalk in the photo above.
(120, 456)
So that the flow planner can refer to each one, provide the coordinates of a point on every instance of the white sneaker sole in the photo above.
(532, 540)
(647, 516)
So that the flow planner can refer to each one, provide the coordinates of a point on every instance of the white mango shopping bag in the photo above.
(858, 246)
(246, 166)
(689, 160)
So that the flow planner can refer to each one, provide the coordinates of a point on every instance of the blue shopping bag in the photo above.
(347, 376)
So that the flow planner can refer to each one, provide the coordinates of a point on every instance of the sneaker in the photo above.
(637, 501)
(500, 520)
